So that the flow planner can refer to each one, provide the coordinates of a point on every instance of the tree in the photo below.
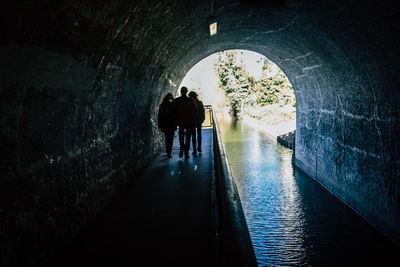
(234, 79)
(242, 89)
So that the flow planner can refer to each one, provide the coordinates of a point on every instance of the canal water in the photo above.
(293, 220)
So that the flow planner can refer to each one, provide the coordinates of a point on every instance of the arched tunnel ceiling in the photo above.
(169, 37)
(294, 34)
(81, 82)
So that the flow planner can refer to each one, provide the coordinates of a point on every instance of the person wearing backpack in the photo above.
(200, 116)
(185, 110)
(167, 122)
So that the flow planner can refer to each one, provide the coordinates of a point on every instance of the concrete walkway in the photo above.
(161, 219)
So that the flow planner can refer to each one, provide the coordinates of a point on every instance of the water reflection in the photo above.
(292, 220)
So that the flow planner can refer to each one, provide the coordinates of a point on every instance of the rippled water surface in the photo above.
(294, 221)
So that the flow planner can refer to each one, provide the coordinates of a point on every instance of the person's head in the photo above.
(193, 94)
(184, 90)
(169, 97)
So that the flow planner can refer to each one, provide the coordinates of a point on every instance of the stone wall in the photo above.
(77, 123)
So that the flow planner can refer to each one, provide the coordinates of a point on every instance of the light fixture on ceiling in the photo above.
(213, 26)
(212, 22)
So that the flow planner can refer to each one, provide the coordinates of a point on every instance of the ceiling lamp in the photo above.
(213, 26)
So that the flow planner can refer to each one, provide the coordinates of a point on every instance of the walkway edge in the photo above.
(234, 244)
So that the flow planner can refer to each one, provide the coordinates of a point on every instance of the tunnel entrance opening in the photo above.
(248, 86)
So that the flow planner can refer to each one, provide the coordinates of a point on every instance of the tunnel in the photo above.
(81, 82)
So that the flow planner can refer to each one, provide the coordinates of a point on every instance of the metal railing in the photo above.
(233, 242)
(209, 118)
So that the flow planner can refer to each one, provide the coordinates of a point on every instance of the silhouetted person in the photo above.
(200, 116)
(167, 122)
(185, 110)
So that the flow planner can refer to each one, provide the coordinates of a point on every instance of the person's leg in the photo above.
(188, 134)
(198, 128)
(169, 139)
(194, 142)
(166, 141)
(181, 140)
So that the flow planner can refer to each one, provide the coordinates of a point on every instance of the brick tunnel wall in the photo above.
(81, 83)
(78, 109)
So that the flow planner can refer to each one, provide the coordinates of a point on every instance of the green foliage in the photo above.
(240, 87)
(234, 79)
